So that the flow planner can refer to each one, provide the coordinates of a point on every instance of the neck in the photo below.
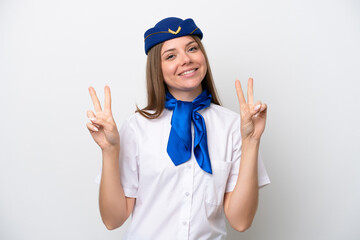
(186, 96)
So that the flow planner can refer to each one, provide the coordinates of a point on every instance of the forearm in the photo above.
(112, 200)
(241, 205)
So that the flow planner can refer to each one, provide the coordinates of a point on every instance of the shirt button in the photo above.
(189, 166)
(184, 223)
(187, 194)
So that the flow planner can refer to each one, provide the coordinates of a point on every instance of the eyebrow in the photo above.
(172, 49)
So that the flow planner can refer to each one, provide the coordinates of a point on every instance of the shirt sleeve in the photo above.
(263, 178)
(128, 160)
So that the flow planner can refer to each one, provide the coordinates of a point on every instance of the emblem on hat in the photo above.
(173, 32)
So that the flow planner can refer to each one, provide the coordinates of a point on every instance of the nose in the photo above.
(185, 58)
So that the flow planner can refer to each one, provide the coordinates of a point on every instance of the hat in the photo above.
(170, 28)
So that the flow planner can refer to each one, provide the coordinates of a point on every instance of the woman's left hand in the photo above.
(253, 116)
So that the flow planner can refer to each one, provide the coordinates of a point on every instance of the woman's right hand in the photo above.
(102, 126)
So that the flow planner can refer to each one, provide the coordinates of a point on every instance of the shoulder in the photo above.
(140, 119)
(217, 116)
(223, 110)
(138, 122)
(219, 112)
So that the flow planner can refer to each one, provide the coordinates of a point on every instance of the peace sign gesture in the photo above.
(102, 126)
(253, 116)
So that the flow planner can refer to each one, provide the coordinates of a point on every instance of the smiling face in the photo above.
(184, 67)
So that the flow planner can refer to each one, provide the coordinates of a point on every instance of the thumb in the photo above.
(103, 123)
(256, 108)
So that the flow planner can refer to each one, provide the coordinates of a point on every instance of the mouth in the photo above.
(188, 72)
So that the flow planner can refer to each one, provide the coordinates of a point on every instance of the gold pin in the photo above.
(173, 32)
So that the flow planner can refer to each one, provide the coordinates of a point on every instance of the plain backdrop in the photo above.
(303, 56)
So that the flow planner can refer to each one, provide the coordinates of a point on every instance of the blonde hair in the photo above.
(156, 87)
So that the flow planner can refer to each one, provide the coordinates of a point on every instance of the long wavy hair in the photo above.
(156, 87)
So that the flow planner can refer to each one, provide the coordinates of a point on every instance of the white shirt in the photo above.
(180, 202)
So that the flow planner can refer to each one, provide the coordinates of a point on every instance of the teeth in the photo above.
(187, 72)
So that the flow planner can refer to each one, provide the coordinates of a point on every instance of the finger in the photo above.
(263, 107)
(239, 92)
(250, 92)
(95, 99)
(102, 123)
(257, 107)
(262, 110)
(92, 117)
(90, 114)
(91, 127)
(107, 105)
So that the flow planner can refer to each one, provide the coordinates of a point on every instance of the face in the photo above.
(184, 67)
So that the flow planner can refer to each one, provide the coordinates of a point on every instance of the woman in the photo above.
(175, 166)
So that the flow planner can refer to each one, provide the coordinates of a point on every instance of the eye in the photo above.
(193, 49)
(170, 56)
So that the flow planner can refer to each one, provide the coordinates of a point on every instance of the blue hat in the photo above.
(170, 28)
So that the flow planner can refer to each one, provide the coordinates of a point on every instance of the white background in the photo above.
(304, 57)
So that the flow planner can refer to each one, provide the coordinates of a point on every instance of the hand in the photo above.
(102, 126)
(253, 117)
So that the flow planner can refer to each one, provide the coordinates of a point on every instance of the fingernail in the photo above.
(257, 114)
(95, 129)
(257, 107)
(92, 119)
